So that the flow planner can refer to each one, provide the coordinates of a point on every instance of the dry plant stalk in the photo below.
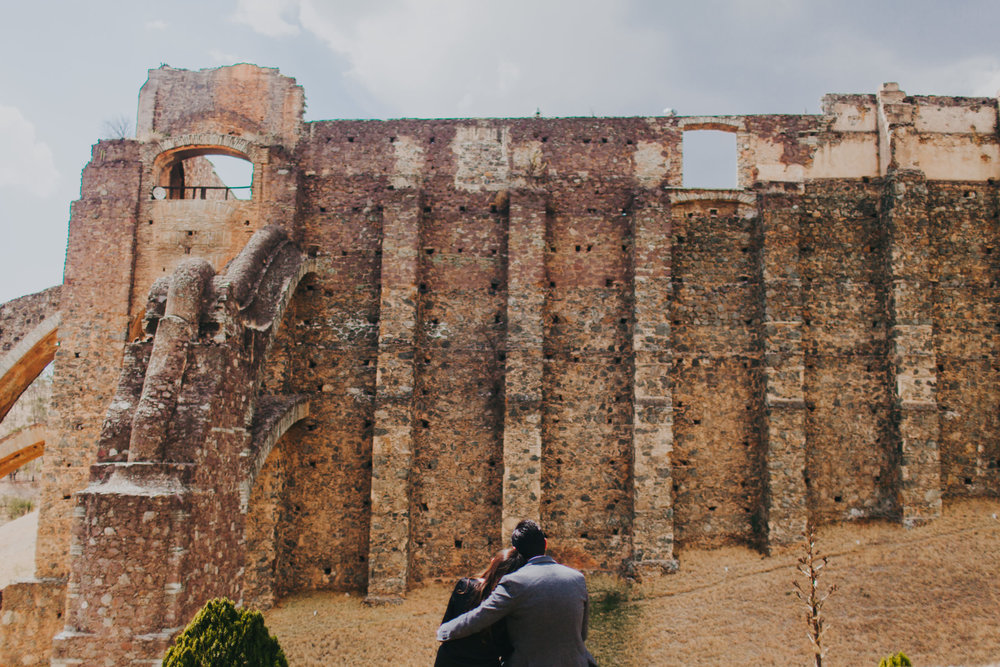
(810, 565)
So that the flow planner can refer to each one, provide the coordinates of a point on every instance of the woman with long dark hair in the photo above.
(489, 647)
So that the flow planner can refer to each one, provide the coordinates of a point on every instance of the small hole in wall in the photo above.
(968, 480)
(350, 140)
(67, 497)
(246, 223)
(585, 536)
(322, 209)
(838, 499)
(150, 222)
(76, 355)
(431, 140)
(427, 209)
(392, 140)
(711, 508)
(312, 364)
(424, 423)
(458, 544)
(327, 571)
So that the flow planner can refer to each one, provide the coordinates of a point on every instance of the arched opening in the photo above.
(204, 172)
(26, 361)
(709, 156)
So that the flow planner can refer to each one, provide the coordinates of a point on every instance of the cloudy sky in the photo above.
(70, 66)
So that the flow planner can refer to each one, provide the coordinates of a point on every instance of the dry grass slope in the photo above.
(930, 591)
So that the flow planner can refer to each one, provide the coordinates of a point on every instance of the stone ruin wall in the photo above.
(531, 317)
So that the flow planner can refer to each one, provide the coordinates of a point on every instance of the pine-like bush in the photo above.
(898, 660)
(222, 635)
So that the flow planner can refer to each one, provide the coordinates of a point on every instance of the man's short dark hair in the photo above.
(528, 539)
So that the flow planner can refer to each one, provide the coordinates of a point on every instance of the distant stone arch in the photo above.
(26, 360)
(22, 446)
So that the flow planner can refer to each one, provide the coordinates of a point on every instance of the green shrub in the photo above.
(222, 635)
(18, 507)
(898, 660)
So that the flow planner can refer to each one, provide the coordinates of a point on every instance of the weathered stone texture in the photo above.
(848, 452)
(20, 316)
(415, 333)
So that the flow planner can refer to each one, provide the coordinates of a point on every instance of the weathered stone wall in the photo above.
(19, 316)
(714, 319)
(964, 260)
(508, 318)
(841, 255)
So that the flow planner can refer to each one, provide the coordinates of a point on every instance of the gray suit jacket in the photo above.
(545, 605)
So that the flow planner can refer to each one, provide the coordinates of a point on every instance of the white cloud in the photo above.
(222, 58)
(978, 76)
(268, 17)
(454, 57)
(156, 24)
(25, 162)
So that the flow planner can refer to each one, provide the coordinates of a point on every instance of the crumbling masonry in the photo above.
(415, 332)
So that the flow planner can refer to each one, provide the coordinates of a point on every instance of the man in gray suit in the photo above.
(545, 605)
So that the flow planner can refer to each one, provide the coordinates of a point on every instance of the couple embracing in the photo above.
(524, 609)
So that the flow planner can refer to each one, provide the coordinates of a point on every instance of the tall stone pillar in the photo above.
(653, 421)
(912, 359)
(910, 348)
(94, 306)
(784, 410)
(392, 444)
(522, 437)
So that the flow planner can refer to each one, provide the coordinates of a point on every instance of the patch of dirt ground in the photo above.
(17, 549)
(930, 592)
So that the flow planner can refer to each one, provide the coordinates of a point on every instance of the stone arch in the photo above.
(26, 360)
(22, 446)
(168, 171)
(273, 417)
